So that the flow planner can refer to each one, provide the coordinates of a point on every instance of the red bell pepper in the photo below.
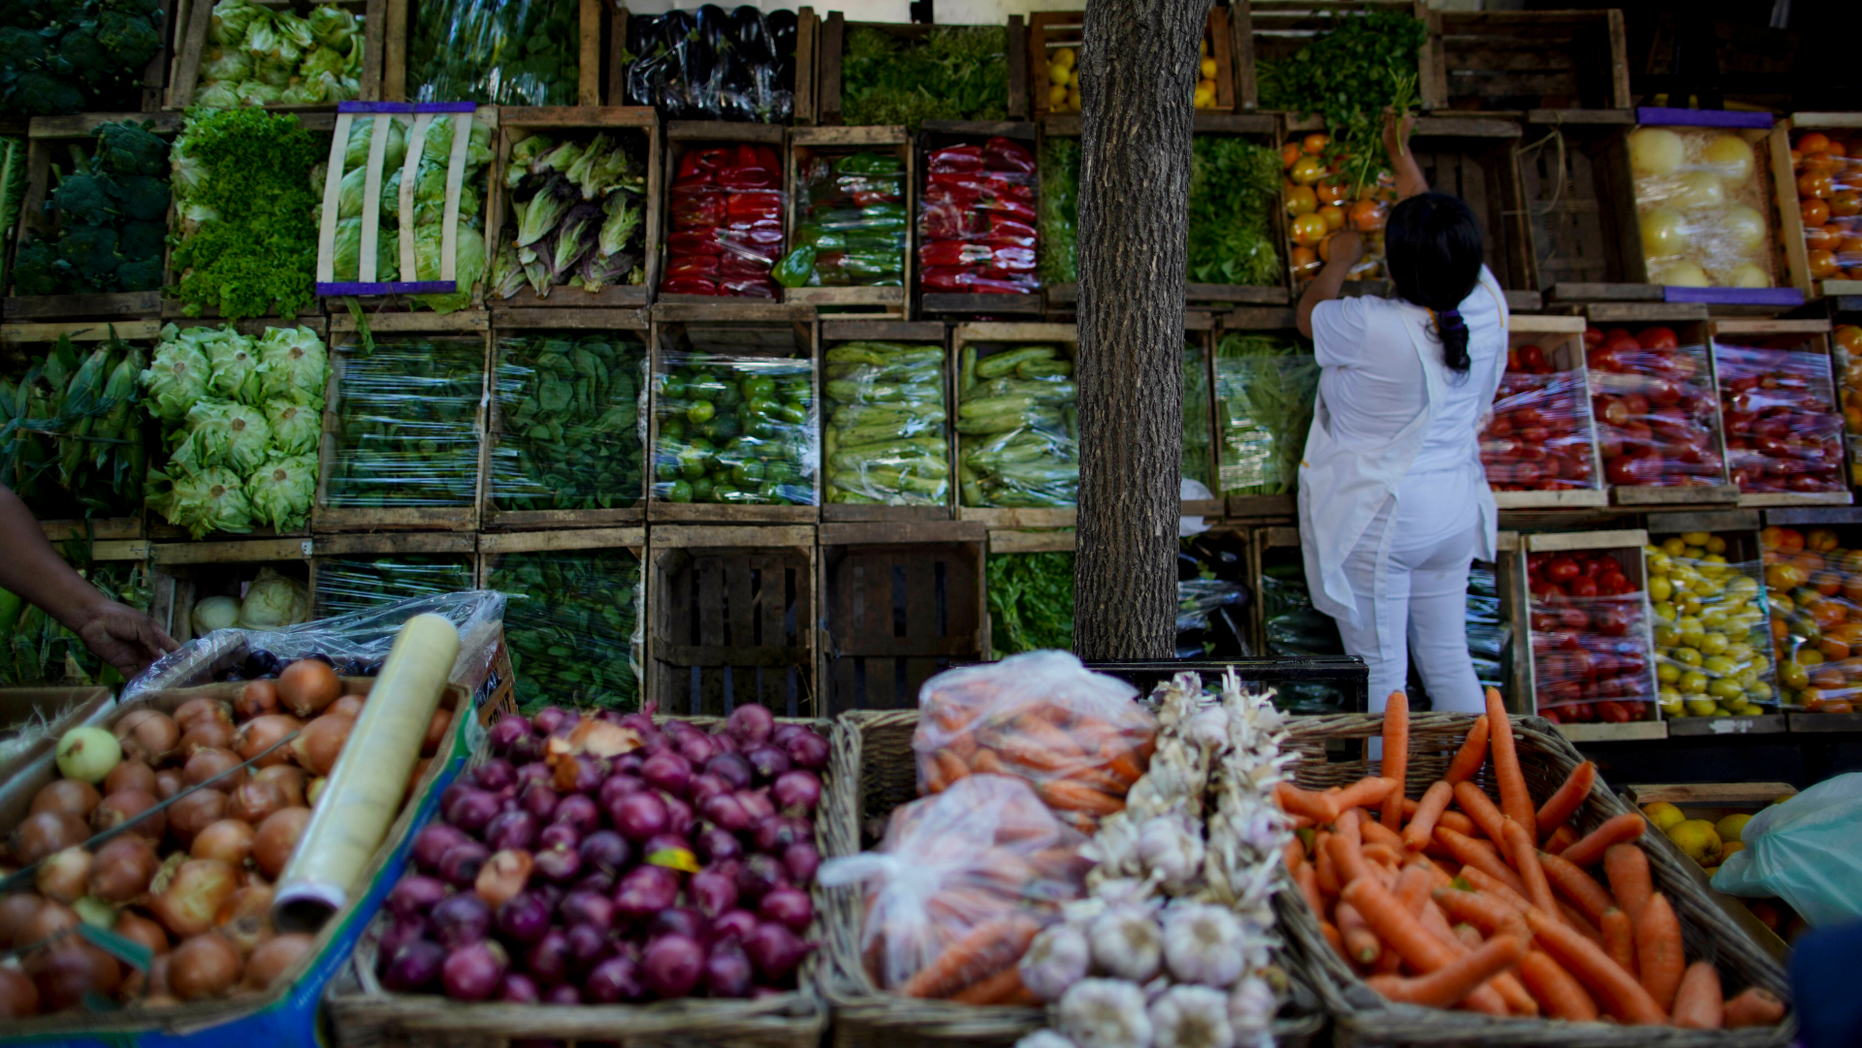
(951, 253)
(1013, 259)
(692, 266)
(747, 287)
(694, 242)
(735, 265)
(698, 207)
(957, 158)
(945, 278)
(747, 178)
(763, 243)
(758, 206)
(1002, 154)
(687, 286)
(1002, 227)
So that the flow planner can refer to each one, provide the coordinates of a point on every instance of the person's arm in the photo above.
(1347, 247)
(1409, 180)
(116, 633)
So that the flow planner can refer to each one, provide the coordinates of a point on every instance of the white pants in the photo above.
(1422, 597)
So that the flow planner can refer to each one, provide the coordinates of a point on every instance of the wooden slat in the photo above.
(588, 86)
(828, 66)
(616, 87)
(1711, 794)
(807, 43)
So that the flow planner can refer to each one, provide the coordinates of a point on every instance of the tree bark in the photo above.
(1137, 77)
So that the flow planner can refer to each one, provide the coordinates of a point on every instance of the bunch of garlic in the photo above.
(1156, 836)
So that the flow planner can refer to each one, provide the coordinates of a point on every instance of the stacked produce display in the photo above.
(1323, 196)
(1018, 428)
(885, 440)
(1590, 636)
(710, 64)
(270, 601)
(1265, 385)
(1234, 189)
(1030, 602)
(1814, 591)
(39, 650)
(1829, 192)
(1710, 628)
(109, 204)
(853, 223)
(569, 421)
(578, 213)
(346, 585)
(736, 430)
(497, 54)
(1656, 409)
(406, 430)
(1847, 340)
(1702, 196)
(954, 73)
(1541, 437)
(262, 56)
(725, 233)
(976, 220)
(1779, 407)
(87, 55)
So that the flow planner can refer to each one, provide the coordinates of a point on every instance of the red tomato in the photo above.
(1583, 587)
(1532, 357)
(1593, 337)
(1562, 569)
(1657, 338)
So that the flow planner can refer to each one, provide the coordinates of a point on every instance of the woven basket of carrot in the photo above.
(1478, 884)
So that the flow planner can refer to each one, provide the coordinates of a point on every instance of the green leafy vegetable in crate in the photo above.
(854, 223)
(495, 52)
(1198, 463)
(407, 423)
(110, 205)
(1018, 428)
(572, 626)
(12, 195)
(957, 73)
(569, 422)
(1234, 189)
(271, 601)
(736, 430)
(71, 431)
(578, 210)
(1030, 602)
(39, 651)
(885, 441)
(259, 56)
(1060, 210)
(1264, 391)
(345, 586)
(76, 55)
(1346, 77)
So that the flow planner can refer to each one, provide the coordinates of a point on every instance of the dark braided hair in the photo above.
(1432, 246)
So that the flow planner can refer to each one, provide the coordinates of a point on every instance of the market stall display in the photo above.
(976, 219)
(573, 624)
(1828, 190)
(1323, 194)
(1030, 601)
(1707, 823)
(1542, 438)
(1235, 187)
(104, 224)
(1198, 462)
(575, 211)
(1017, 426)
(263, 56)
(1058, 212)
(84, 56)
(735, 430)
(1780, 410)
(1711, 630)
(1702, 197)
(710, 64)
(567, 432)
(1215, 596)
(493, 53)
(1054, 40)
(886, 440)
(1589, 628)
(270, 600)
(1290, 626)
(724, 230)
(852, 226)
(1265, 386)
(1656, 406)
(75, 448)
(39, 650)
(909, 74)
(1848, 360)
(405, 433)
(1814, 589)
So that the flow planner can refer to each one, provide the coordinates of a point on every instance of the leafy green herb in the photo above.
(1347, 76)
(1060, 210)
(569, 435)
(12, 191)
(572, 626)
(407, 426)
(1234, 189)
(958, 73)
(347, 586)
(495, 52)
(1030, 602)
(1264, 391)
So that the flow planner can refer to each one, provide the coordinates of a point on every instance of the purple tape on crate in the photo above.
(1701, 117)
(374, 107)
(1735, 296)
(396, 287)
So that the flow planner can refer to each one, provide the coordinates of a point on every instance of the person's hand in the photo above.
(1347, 247)
(122, 636)
(1396, 132)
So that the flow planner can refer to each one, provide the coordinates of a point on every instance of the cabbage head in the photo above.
(185, 174)
(282, 489)
(231, 19)
(221, 94)
(438, 148)
(262, 37)
(349, 195)
(176, 378)
(469, 271)
(214, 613)
(204, 501)
(227, 64)
(295, 426)
(275, 73)
(347, 253)
(293, 363)
(294, 31)
(356, 148)
(273, 601)
(235, 362)
(333, 27)
(259, 93)
(303, 93)
(221, 433)
(322, 60)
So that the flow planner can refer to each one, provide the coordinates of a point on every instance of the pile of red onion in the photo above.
(555, 876)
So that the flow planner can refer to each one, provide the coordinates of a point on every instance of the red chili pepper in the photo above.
(1003, 154)
(687, 286)
(957, 158)
(692, 265)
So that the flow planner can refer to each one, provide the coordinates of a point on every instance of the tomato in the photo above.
(1531, 357)
(1849, 336)
(1289, 153)
(1813, 142)
(1846, 204)
(1305, 261)
(1307, 170)
(1583, 587)
(1315, 143)
(1811, 184)
(1301, 200)
(1367, 216)
(1309, 230)
(1334, 217)
(1562, 569)
(1815, 212)
(1822, 238)
(1592, 337)
(1822, 264)
(1657, 338)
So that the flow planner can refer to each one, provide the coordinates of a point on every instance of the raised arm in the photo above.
(1409, 180)
(1346, 248)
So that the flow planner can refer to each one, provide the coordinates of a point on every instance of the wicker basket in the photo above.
(873, 754)
(1361, 1017)
(367, 1016)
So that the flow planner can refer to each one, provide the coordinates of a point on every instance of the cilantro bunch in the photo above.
(1346, 77)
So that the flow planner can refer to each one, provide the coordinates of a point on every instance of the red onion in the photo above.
(538, 798)
(705, 787)
(732, 768)
(661, 842)
(736, 924)
(472, 809)
(512, 830)
(475, 972)
(672, 966)
(727, 811)
(618, 786)
(415, 894)
(401, 931)
(547, 720)
(761, 873)
(528, 749)
(667, 771)
(588, 947)
(562, 994)
(789, 906)
(757, 804)
(716, 844)
(750, 724)
(727, 970)
(559, 862)
(628, 763)
(725, 744)
(578, 810)
(680, 818)
(495, 774)
(801, 860)
(533, 772)
(548, 959)
(680, 920)
(559, 834)
(808, 750)
(777, 832)
(640, 722)
(462, 861)
(606, 850)
(518, 989)
(797, 791)
(775, 950)
(783, 733)
(713, 890)
(460, 920)
(601, 882)
(433, 842)
(645, 891)
(767, 761)
(524, 917)
(615, 979)
(590, 773)
(697, 748)
(639, 816)
(659, 742)
(413, 967)
(505, 734)
(595, 911)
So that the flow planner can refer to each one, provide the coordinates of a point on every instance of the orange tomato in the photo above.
(1821, 540)
(1811, 184)
(1315, 143)
(1838, 149)
(1827, 613)
(1821, 164)
(1305, 261)
(1822, 238)
(1308, 230)
(1334, 217)
(1849, 244)
(1784, 576)
(1307, 170)
(1849, 336)
(1301, 201)
(1813, 142)
(1366, 216)
(1288, 154)
(1333, 193)
(1829, 678)
(1846, 204)
(1836, 651)
(1812, 699)
(1838, 706)
(1771, 537)
(1779, 631)
(1808, 561)
(1822, 264)
(1815, 212)
(1827, 583)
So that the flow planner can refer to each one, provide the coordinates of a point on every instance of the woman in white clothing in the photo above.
(1393, 499)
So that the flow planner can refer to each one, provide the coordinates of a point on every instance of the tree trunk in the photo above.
(1137, 77)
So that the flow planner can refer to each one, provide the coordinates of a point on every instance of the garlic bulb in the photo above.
(1044, 1039)
(1127, 942)
(1056, 960)
(1203, 944)
(1104, 1013)
(1191, 1017)
(1251, 1013)
(1171, 848)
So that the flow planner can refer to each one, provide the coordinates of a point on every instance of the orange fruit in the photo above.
(1784, 576)
(1822, 238)
(1289, 153)
(1814, 142)
(1821, 540)
(1849, 336)
(1822, 264)
(1838, 149)
(1811, 184)
(1846, 204)
(1315, 143)
(1812, 699)
(1366, 216)
(1333, 193)
(1815, 212)
(1305, 261)
(1770, 537)
(1334, 217)
(1301, 200)
(1308, 230)
(1829, 678)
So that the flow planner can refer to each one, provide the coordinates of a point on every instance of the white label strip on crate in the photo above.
(332, 198)
(410, 174)
(371, 198)
(455, 181)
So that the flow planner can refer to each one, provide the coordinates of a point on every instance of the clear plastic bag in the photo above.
(976, 220)
(1074, 735)
(853, 219)
(1018, 428)
(1803, 851)
(407, 423)
(573, 626)
(984, 851)
(259, 55)
(1703, 200)
(710, 64)
(1198, 459)
(1814, 593)
(1712, 650)
(1293, 628)
(1198, 598)
(1489, 633)
(1846, 343)
(1319, 202)
(570, 426)
(348, 586)
(737, 430)
(725, 232)
(498, 52)
(885, 438)
(1590, 647)
(1265, 390)
(1827, 165)
(1783, 431)
(577, 217)
(1540, 437)
(1658, 422)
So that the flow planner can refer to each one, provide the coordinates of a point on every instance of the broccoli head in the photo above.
(21, 49)
(141, 275)
(37, 94)
(140, 240)
(143, 198)
(85, 198)
(37, 270)
(81, 55)
(129, 38)
(91, 250)
(127, 148)
(147, 9)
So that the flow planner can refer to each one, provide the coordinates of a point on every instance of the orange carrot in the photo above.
(1413, 886)
(988, 947)
(1438, 877)
(1698, 1003)
(1468, 853)
(1325, 871)
(1388, 963)
(1422, 823)
(1525, 855)
(1294, 801)
(1580, 887)
(1365, 793)
(1561, 996)
(1448, 985)
(1294, 853)
(1579, 923)
(1563, 837)
(1619, 993)
(1753, 1007)
(1457, 822)
(1068, 795)
(1471, 755)
(1515, 797)
(1396, 756)
(1482, 881)
(1563, 804)
(1627, 867)
(1382, 853)
(1361, 943)
(1308, 882)
(1470, 799)
(1658, 950)
(995, 989)
(1469, 935)
(1375, 832)
(1588, 851)
(1619, 938)
(1394, 925)
(1409, 808)
(1489, 913)
(1347, 858)
(988, 763)
(1330, 931)
(1504, 995)
(948, 769)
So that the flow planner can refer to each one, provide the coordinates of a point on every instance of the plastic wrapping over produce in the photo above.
(260, 56)
(725, 236)
(346, 585)
(578, 213)
(1198, 460)
(1321, 199)
(497, 52)
(1018, 428)
(1590, 637)
(713, 64)
(407, 423)
(1828, 167)
(71, 429)
(885, 442)
(570, 414)
(976, 220)
(1712, 637)
(1846, 343)
(1030, 602)
(40, 651)
(1800, 850)
(356, 641)
(1059, 209)
(1293, 627)
(1783, 430)
(1814, 590)
(573, 626)
(1488, 632)
(736, 430)
(1657, 418)
(853, 224)
(1541, 436)
(937, 877)
(1702, 200)
(1264, 390)
(1213, 596)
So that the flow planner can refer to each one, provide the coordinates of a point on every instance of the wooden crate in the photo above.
(1275, 29)
(809, 143)
(1689, 324)
(731, 619)
(1199, 334)
(523, 616)
(937, 134)
(987, 339)
(464, 326)
(47, 713)
(194, 23)
(1530, 60)
(518, 123)
(50, 140)
(447, 562)
(1626, 548)
(616, 58)
(1280, 321)
(831, 47)
(1049, 31)
(683, 136)
(833, 332)
(1714, 801)
(1790, 213)
(1812, 338)
(183, 573)
(901, 602)
(1562, 340)
(1831, 677)
(625, 323)
(1472, 158)
(1009, 541)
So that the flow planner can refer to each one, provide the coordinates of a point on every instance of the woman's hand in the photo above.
(1409, 180)
(1346, 249)
(1396, 132)
(120, 635)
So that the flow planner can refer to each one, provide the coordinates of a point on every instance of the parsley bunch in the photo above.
(1030, 602)
(958, 73)
(1234, 189)
(1346, 77)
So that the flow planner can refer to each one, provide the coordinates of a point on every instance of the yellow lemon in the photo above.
(1670, 702)
(1057, 96)
(1208, 69)
(1660, 588)
(1667, 672)
(1701, 707)
(1697, 840)
(1732, 828)
(1664, 815)
(1063, 57)
(1695, 538)
(1727, 850)
(1716, 544)
(1674, 547)
(1058, 74)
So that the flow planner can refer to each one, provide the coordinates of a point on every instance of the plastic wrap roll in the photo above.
(363, 793)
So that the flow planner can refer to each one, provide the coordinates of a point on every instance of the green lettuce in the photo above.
(295, 425)
(469, 270)
(272, 601)
(235, 365)
(212, 499)
(222, 433)
(293, 363)
(281, 490)
(176, 378)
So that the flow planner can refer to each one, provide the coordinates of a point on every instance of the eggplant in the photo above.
(782, 31)
(752, 37)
